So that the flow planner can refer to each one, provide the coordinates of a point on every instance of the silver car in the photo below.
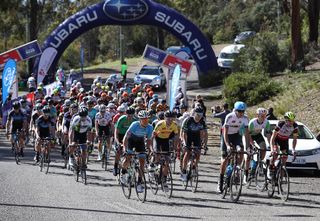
(153, 75)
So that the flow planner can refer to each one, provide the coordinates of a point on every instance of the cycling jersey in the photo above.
(17, 120)
(79, 125)
(103, 119)
(92, 114)
(44, 126)
(140, 132)
(285, 131)
(193, 129)
(235, 124)
(116, 117)
(165, 132)
(123, 124)
(35, 117)
(67, 119)
(255, 127)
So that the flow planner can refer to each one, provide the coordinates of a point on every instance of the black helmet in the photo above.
(74, 105)
(50, 101)
(183, 106)
(198, 110)
(169, 114)
(90, 102)
(160, 115)
(151, 112)
(83, 112)
(46, 110)
(16, 105)
(130, 110)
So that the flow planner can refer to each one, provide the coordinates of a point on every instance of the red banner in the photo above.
(172, 61)
(4, 57)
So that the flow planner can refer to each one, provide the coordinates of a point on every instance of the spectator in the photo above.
(270, 115)
(221, 115)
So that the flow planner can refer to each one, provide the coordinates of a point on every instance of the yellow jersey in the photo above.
(162, 131)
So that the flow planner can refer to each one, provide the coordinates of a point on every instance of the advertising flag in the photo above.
(174, 85)
(8, 76)
(45, 62)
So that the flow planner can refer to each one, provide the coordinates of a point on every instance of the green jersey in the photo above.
(123, 124)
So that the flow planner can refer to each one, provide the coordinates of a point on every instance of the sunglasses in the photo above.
(240, 111)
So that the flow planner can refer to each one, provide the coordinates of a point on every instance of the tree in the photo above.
(313, 14)
(297, 50)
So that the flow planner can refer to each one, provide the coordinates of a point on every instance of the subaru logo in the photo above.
(125, 10)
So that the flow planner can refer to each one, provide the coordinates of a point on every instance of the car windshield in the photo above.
(303, 132)
(228, 55)
(148, 71)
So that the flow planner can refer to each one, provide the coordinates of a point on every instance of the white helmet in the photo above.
(102, 108)
(31, 79)
(121, 109)
(111, 105)
(261, 111)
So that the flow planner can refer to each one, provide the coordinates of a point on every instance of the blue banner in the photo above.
(154, 54)
(9, 73)
(174, 85)
(29, 50)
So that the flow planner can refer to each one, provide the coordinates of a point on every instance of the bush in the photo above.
(263, 54)
(251, 88)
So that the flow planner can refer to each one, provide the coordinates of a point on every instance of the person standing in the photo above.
(124, 69)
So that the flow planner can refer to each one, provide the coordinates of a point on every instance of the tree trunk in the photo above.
(297, 50)
(313, 14)
(160, 40)
(33, 33)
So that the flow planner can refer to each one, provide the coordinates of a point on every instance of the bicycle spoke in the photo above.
(283, 183)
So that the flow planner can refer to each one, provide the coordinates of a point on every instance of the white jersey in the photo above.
(103, 119)
(184, 116)
(81, 126)
(235, 124)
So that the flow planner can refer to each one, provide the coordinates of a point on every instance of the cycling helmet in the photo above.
(22, 101)
(83, 112)
(85, 99)
(130, 110)
(38, 107)
(67, 102)
(143, 114)
(240, 106)
(262, 111)
(90, 102)
(289, 116)
(100, 101)
(47, 97)
(50, 101)
(16, 105)
(46, 110)
(183, 106)
(121, 109)
(160, 115)
(111, 105)
(170, 114)
(198, 110)
(151, 112)
(44, 102)
(73, 106)
(102, 108)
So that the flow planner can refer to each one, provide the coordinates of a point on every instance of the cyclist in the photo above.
(232, 132)
(280, 138)
(256, 125)
(35, 115)
(79, 126)
(164, 131)
(17, 121)
(66, 125)
(92, 114)
(103, 125)
(135, 139)
(45, 128)
(193, 128)
(121, 128)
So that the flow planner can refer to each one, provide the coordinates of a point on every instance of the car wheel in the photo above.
(316, 173)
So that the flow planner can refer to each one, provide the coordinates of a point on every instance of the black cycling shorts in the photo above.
(162, 145)
(283, 144)
(104, 130)
(234, 139)
(136, 143)
(80, 138)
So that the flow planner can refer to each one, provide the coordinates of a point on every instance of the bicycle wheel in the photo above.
(41, 165)
(105, 158)
(84, 176)
(141, 193)
(283, 183)
(126, 186)
(153, 181)
(236, 183)
(16, 152)
(167, 184)
(47, 162)
(225, 188)
(260, 177)
(194, 179)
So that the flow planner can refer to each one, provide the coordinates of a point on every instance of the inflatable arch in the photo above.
(126, 12)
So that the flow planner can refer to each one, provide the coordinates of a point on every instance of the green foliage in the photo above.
(263, 54)
(251, 88)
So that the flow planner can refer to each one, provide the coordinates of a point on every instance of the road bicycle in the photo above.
(134, 177)
(280, 179)
(156, 177)
(44, 162)
(234, 178)
(105, 152)
(80, 166)
(16, 150)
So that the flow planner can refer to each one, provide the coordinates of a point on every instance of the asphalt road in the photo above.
(28, 194)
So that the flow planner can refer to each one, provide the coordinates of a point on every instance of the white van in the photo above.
(227, 55)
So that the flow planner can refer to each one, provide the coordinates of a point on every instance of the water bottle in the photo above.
(229, 170)
(276, 163)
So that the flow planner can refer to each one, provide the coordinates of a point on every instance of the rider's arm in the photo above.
(116, 132)
(247, 138)
(225, 136)
(8, 125)
(273, 137)
(125, 139)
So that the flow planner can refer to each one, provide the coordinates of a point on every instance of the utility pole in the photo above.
(121, 36)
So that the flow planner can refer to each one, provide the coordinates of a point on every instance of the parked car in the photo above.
(227, 55)
(243, 36)
(153, 75)
(307, 150)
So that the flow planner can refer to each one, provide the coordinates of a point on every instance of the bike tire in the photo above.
(195, 179)
(16, 152)
(283, 183)
(260, 177)
(84, 176)
(153, 182)
(141, 195)
(41, 165)
(225, 188)
(47, 163)
(126, 187)
(236, 182)
(169, 182)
